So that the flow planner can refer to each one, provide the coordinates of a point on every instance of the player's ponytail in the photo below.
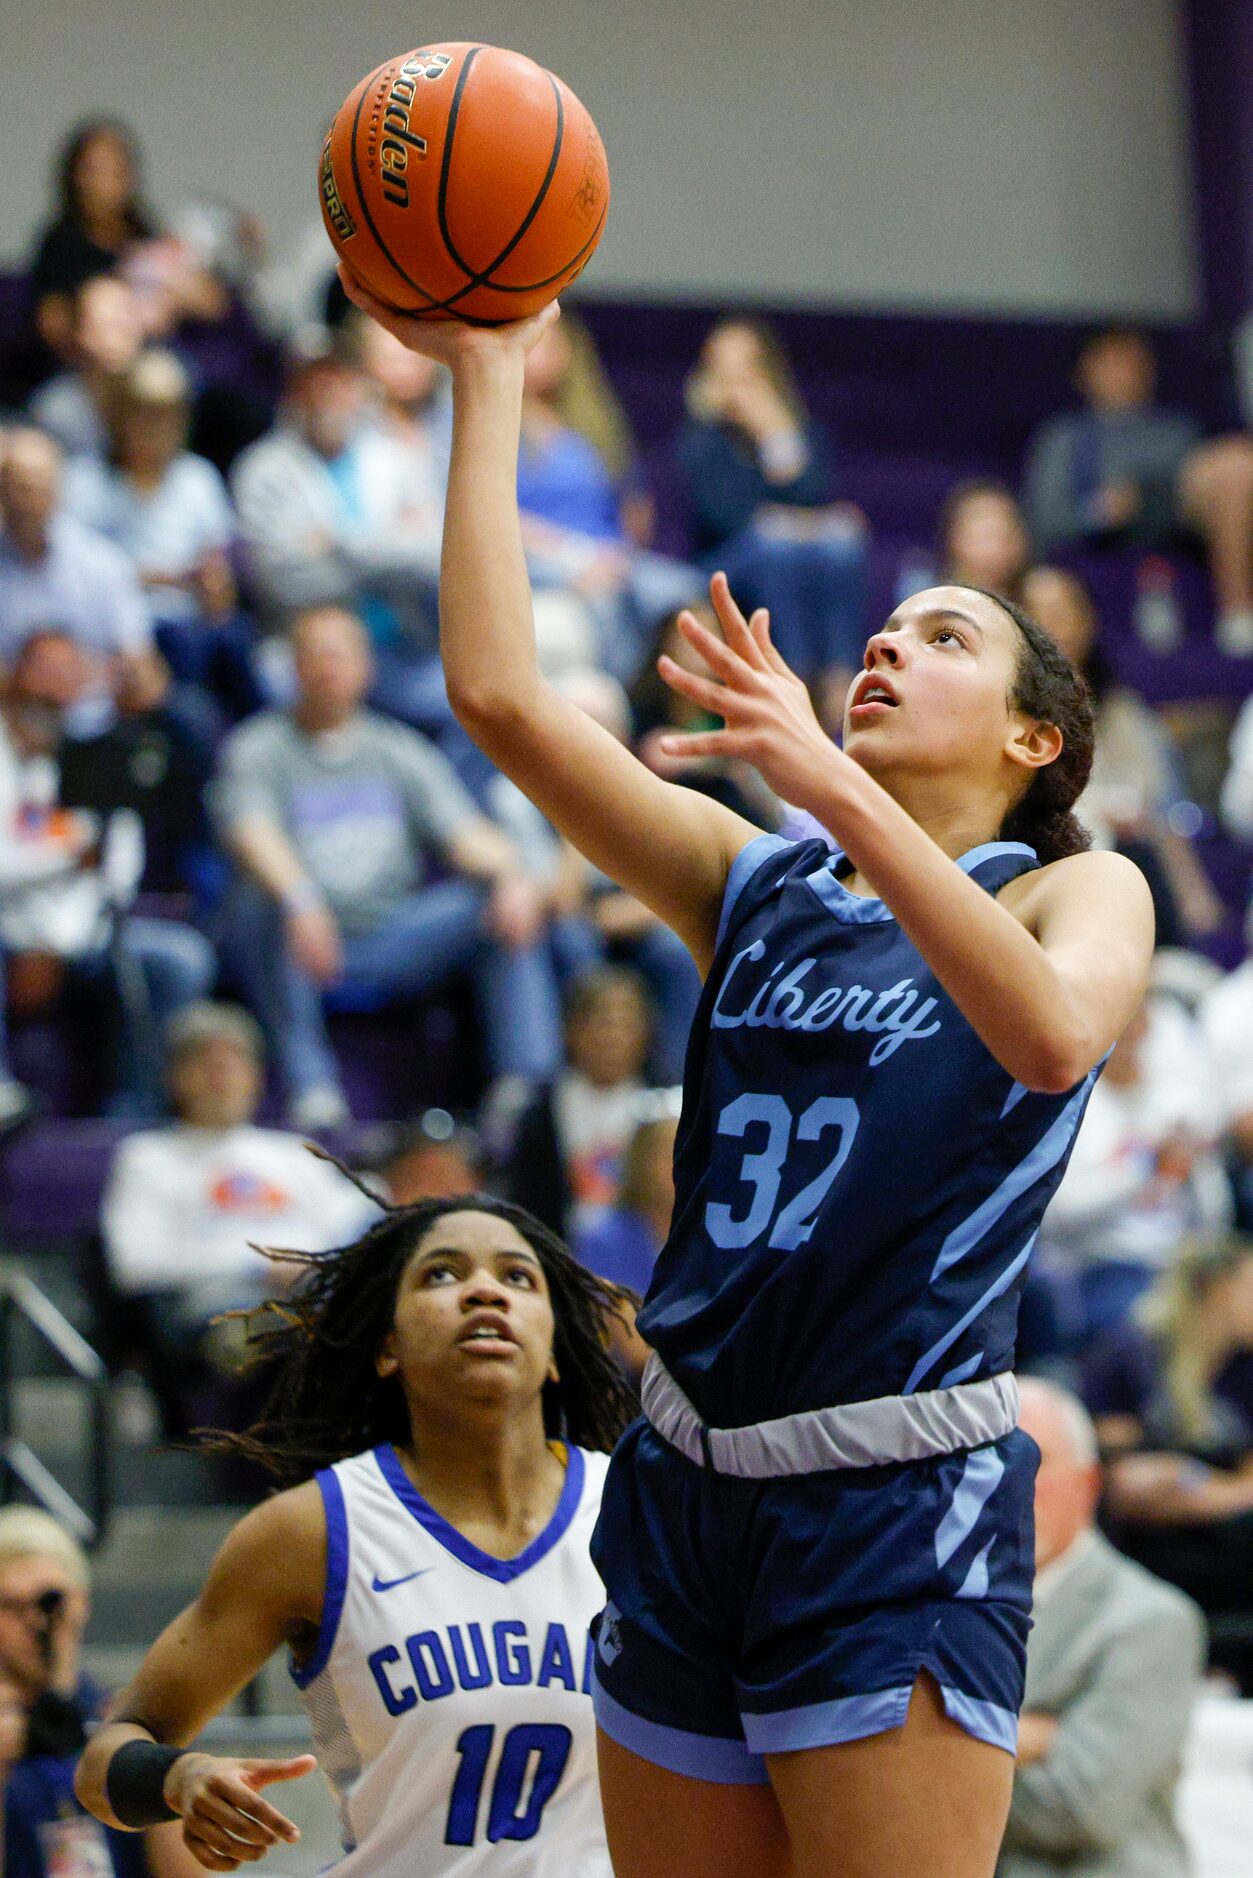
(1047, 686)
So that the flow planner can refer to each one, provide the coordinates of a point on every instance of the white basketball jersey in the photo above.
(448, 1690)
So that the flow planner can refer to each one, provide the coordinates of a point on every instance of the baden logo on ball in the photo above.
(461, 181)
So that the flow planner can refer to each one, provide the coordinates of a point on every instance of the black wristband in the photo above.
(135, 1783)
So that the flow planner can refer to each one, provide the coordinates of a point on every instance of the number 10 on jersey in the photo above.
(533, 1758)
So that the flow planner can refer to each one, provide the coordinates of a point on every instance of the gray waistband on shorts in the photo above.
(853, 1434)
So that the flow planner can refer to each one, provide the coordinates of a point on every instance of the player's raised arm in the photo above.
(263, 1590)
(667, 845)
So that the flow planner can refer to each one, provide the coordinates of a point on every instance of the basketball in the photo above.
(462, 181)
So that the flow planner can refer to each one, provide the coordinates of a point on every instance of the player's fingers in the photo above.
(219, 1842)
(234, 1817)
(730, 617)
(711, 696)
(717, 654)
(701, 743)
(759, 627)
(264, 1773)
(239, 1793)
(205, 1855)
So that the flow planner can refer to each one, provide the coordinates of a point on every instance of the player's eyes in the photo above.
(437, 1273)
(946, 632)
(523, 1272)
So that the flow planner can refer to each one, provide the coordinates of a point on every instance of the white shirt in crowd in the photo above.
(1113, 1202)
(183, 1203)
(1226, 1019)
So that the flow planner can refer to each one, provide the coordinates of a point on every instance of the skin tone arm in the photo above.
(665, 844)
(264, 1589)
(1174, 1490)
(1048, 974)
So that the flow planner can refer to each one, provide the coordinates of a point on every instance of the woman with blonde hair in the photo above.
(1172, 1397)
(585, 518)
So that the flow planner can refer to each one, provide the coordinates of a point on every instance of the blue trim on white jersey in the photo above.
(302, 1674)
(714, 1758)
(741, 871)
(1043, 1157)
(503, 1570)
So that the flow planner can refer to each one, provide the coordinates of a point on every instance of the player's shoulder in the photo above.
(276, 1555)
(1096, 877)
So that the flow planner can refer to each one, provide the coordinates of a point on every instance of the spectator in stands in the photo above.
(53, 571)
(100, 218)
(1134, 786)
(1113, 1669)
(983, 539)
(169, 512)
(47, 1706)
(337, 511)
(1172, 1393)
(435, 1158)
(577, 508)
(185, 1203)
(759, 480)
(567, 1151)
(1236, 804)
(335, 816)
(1125, 470)
(1226, 1018)
(621, 1242)
(410, 392)
(1146, 1171)
(67, 878)
(106, 333)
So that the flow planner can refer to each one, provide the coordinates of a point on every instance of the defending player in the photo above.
(817, 1547)
(435, 1588)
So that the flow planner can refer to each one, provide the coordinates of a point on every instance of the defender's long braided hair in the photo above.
(328, 1402)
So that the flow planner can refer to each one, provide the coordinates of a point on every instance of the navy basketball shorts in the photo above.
(750, 1617)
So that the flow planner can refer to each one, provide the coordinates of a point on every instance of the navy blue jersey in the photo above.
(858, 1182)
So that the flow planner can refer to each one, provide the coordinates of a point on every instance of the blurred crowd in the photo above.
(235, 807)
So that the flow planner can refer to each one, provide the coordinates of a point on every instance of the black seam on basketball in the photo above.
(445, 167)
(485, 278)
(471, 319)
(430, 298)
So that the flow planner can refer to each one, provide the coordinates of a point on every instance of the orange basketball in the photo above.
(462, 181)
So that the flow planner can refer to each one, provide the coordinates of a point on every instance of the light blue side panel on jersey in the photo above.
(1045, 1155)
(963, 1323)
(741, 871)
(980, 1478)
(302, 1674)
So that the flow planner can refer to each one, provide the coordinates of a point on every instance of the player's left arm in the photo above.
(1049, 973)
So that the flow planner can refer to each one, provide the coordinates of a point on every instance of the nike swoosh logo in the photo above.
(389, 1584)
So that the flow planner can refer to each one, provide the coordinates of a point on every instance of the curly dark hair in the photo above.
(1047, 686)
(327, 1400)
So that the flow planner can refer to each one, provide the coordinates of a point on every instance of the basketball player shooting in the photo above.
(817, 1544)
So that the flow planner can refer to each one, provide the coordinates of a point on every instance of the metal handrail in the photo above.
(21, 1300)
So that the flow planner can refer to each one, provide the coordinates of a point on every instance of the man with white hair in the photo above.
(46, 1707)
(1112, 1670)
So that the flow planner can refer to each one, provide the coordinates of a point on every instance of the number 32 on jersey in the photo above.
(764, 1169)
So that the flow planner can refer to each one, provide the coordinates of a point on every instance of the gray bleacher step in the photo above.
(52, 1415)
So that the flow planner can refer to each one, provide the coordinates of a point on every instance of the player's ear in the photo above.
(386, 1363)
(554, 1374)
(1033, 743)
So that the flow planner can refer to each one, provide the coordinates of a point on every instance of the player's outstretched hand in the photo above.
(450, 341)
(226, 1823)
(768, 719)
